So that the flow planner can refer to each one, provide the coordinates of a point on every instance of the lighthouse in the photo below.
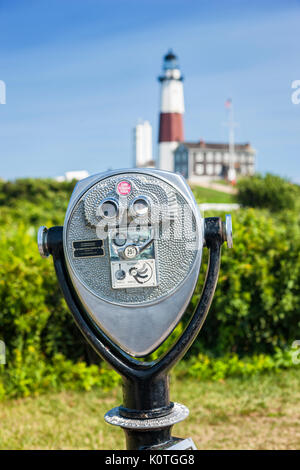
(171, 111)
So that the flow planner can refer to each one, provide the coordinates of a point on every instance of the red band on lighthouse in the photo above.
(171, 127)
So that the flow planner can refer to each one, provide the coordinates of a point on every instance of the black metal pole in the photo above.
(146, 400)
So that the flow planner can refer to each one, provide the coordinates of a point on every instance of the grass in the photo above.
(224, 182)
(257, 413)
(207, 195)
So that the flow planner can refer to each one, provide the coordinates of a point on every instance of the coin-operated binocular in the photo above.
(128, 260)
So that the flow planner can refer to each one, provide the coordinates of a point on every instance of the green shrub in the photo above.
(31, 374)
(257, 301)
(270, 191)
(37, 191)
(204, 367)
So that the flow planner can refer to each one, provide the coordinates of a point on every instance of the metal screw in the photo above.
(228, 231)
(42, 241)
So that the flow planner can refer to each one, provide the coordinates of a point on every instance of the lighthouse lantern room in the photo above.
(171, 111)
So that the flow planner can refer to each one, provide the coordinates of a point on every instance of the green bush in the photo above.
(37, 191)
(257, 301)
(204, 367)
(270, 191)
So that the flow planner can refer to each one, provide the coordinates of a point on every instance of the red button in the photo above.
(124, 188)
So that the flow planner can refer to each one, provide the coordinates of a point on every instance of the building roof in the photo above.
(148, 164)
(217, 146)
(170, 55)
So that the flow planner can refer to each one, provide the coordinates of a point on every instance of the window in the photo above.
(199, 157)
(209, 169)
(218, 169)
(199, 168)
(181, 163)
(209, 157)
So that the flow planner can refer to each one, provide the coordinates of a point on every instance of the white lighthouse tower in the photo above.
(171, 112)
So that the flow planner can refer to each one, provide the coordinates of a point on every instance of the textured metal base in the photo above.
(176, 444)
(178, 413)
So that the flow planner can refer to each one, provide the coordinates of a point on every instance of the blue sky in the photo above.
(79, 74)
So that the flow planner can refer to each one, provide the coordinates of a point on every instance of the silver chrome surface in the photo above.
(179, 413)
(184, 444)
(176, 259)
(138, 320)
(139, 248)
(228, 230)
(42, 241)
(138, 329)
